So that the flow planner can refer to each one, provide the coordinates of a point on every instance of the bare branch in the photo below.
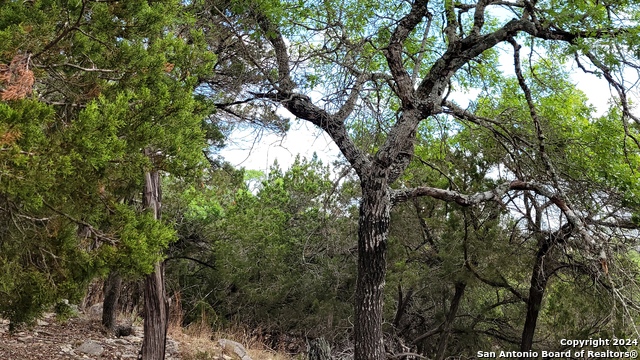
(532, 109)
(622, 94)
(423, 48)
(93, 69)
(496, 194)
(619, 224)
(559, 200)
(398, 196)
(302, 107)
(492, 125)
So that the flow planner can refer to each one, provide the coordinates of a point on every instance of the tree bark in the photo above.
(536, 294)
(112, 289)
(373, 229)
(156, 306)
(156, 315)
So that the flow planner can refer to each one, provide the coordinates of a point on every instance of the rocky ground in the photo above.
(83, 337)
(77, 338)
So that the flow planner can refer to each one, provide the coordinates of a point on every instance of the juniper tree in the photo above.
(87, 86)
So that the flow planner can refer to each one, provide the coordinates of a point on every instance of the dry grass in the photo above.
(199, 341)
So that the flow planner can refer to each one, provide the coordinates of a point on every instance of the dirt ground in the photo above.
(77, 338)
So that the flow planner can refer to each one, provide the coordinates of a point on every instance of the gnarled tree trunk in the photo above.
(373, 229)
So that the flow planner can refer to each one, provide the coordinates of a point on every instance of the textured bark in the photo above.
(156, 305)
(156, 315)
(372, 243)
(112, 289)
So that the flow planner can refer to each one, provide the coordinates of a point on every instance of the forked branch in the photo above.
(398, 196)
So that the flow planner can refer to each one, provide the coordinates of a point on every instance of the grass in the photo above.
(199, 341)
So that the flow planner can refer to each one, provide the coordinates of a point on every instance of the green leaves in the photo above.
(41, 264)
(141, 237)
(111, 79)
(266, 246)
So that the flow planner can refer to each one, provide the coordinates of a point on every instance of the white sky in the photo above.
(257, 150)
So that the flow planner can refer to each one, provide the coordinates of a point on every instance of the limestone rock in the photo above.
(234, 348)
(25, 339)
(91, 347)
(319, 349)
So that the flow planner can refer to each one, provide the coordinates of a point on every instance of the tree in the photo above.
(393, 66)
(276, 259)
(446, 259)
(85, 87)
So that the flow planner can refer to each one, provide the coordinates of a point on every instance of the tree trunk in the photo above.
(156, 306)
(112, 288)
(403, 303)
(536, 293)
(451, 316)
(156, 315)
(373, 229)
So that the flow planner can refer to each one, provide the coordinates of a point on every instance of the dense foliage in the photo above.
(526, 162)
(278, 258)
(510, 222)
(99, 83)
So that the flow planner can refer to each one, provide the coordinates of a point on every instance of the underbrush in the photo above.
(200, 342)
